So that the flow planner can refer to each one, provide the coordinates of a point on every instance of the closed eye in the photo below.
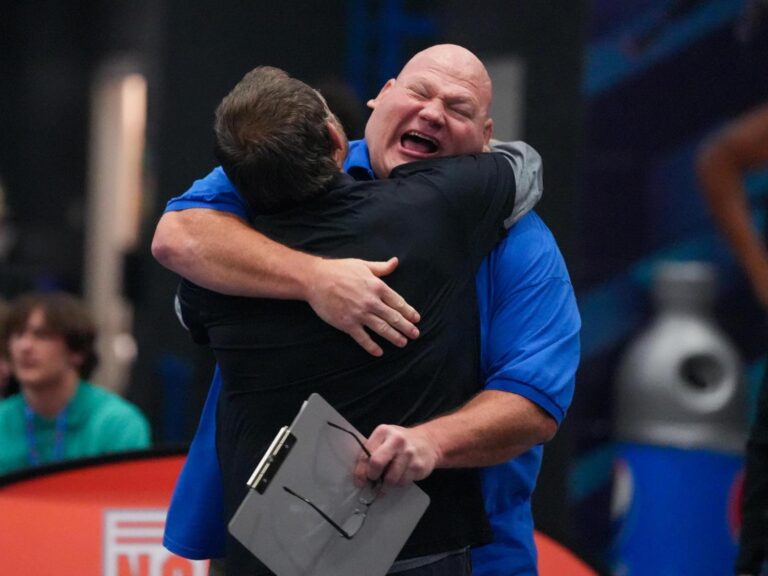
(464, 111)
(419, 94)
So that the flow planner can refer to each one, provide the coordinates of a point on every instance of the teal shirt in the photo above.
(97, 422)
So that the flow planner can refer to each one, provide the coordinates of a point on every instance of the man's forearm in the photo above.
(491, 428)
(219, 251)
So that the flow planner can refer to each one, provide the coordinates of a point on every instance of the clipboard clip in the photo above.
(272, 460)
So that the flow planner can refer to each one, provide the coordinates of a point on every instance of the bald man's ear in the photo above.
(384, 89)
(488, 132)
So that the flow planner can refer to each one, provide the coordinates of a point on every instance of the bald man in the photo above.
(438, 105)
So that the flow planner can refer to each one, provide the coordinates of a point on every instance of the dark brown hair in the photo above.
(273, 142)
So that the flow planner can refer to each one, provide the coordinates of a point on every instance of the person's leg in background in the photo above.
(754, 505)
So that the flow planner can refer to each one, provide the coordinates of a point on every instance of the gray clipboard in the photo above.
(316, 460)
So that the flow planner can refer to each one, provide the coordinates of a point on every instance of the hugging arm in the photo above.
(220, 251)
(531, 356)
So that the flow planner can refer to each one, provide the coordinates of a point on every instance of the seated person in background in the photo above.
(281, 146)
(58, 415)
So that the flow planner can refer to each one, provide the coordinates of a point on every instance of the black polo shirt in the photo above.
(440, 218)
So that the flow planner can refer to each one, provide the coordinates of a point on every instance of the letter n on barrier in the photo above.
(139, 566)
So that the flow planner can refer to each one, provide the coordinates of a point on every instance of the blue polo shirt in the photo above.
(529, 327)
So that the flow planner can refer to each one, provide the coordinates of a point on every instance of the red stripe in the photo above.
(138, 540)
(140, 524)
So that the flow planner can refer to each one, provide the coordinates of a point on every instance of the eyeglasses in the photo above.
(367, 496)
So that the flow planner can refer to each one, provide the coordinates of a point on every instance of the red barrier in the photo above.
(556, 560)
(105, 517)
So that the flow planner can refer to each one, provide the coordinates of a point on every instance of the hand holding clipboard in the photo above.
(305, 515)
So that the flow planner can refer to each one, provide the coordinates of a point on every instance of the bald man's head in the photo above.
(459, 64)
(439, 105)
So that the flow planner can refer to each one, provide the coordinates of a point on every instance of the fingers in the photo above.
(366, 342)
(396, 330)
(397, 472)
(398, 304)
(384, 268)
(397, 457)
(382, 460)
(350, 295)
(392, 318)
(370, 468)
(391, 298)
(360, 473)
(386, 331)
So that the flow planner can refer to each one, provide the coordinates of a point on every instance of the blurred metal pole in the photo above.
(115, 177)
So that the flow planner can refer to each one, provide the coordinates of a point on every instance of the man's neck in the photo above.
(50, 399)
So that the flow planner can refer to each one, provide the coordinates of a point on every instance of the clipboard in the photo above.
(313, 459)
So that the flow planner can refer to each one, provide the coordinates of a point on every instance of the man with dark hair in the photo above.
(59, 415)
(273, 141)
(274, 353)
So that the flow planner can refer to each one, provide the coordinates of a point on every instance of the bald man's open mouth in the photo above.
(419, 143)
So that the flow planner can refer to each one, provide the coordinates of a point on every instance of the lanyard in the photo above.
(58, 441)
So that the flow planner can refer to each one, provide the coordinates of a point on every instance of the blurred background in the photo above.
(106, 113)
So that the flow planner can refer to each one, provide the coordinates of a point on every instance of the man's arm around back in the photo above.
(221, 252)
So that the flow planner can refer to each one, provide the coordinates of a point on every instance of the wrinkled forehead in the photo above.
(455, 72)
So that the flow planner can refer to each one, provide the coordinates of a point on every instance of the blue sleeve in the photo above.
(195, 526)
(529, 320)
(214, 192)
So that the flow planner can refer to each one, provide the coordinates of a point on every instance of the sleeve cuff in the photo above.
(528, 392)
(179, 205)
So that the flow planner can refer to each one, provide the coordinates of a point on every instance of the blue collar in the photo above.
(358, 162)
